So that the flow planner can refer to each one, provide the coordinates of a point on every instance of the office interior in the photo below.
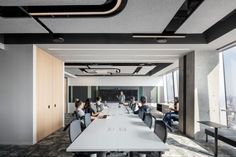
(54, 52)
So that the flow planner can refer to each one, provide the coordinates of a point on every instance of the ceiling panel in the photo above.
(121, 59)
(20, 25)
(206, 15)
(116, 53)
(124, 70)
(139, 16)
(49, 2)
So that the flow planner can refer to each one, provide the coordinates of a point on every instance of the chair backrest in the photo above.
(160, 130)
(74, 130)
(87, 119)
(148, 119)
(141, 114)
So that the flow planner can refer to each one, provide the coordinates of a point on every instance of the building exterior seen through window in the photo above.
(229, 59)
(171, 86)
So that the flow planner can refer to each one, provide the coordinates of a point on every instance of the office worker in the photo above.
(121, 98)
(79, 109)
(88, 109)
(133, 105)
(173, 115)
(99, 104)
(143, 104)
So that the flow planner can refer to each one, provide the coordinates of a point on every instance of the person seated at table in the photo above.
(143, 104)
(173, 115)
(88, 109)
(99, 104)
(79, 109)
(133, 105)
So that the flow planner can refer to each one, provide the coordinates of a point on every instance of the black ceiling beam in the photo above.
(222, 27)
(1, 39)
(158, 68)
(36, 19)
(182, 15)
(115, 38)
(137, 70)
(13, 11)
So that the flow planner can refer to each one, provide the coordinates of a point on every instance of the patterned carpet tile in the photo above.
(179, 146)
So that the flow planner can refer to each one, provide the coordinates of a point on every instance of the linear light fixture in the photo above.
(118, 4)
(160, 36)
(125, 49)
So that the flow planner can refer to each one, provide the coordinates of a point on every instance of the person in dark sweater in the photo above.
(143, 104)
(88, 109)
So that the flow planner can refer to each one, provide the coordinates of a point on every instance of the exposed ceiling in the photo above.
(111, 70)
(167, 29)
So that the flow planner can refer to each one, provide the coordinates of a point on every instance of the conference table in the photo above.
(121, 131)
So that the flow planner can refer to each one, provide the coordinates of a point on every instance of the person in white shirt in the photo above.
(79, 111)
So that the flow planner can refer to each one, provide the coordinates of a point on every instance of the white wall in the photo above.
(115, 81)
(16, 95)
(206, 97)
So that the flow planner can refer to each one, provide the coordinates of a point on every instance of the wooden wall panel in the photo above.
(44, 94)
(49, 94)
(57, 94)
(65, 94)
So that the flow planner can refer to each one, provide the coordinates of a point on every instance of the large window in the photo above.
(229, 57)
(171, 86)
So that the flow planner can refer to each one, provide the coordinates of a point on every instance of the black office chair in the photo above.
(148, 119)
(74, 129)
(87, 119)
(141, 114)
(160, 130)
(74, 132)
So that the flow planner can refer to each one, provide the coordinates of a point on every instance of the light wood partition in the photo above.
(65, 94)
(49, 86)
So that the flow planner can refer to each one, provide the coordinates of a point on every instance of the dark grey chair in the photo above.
(87, 119)
(148, 119)
(141, 114)
(74, 130)
(160, 130)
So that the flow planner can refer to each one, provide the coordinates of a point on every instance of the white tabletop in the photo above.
(119, 132)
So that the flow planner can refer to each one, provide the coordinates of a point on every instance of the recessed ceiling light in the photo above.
(162, 40)
(58, 39)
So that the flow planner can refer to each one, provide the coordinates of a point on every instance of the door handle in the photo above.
(55, 105)
(48, 106)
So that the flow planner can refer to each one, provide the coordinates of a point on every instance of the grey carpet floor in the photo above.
(180, 146)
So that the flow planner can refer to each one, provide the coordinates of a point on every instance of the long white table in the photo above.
(120, 131)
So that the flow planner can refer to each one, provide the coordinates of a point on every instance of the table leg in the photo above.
(131, 154)
(216, 141)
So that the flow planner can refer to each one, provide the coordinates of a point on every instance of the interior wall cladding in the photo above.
(108, 93)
